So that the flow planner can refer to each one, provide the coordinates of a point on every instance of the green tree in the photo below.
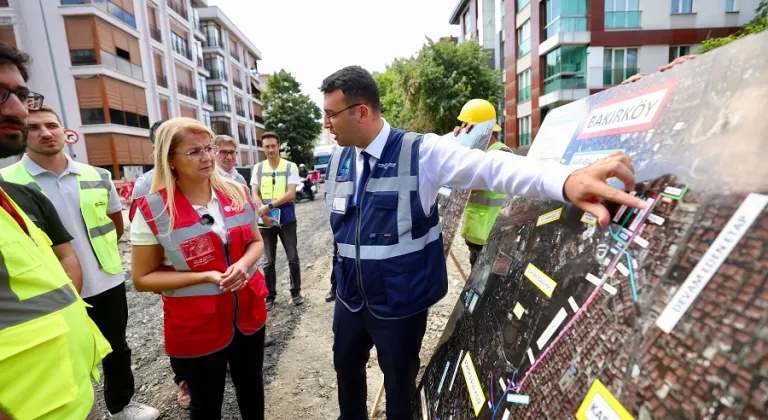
(758, 24)
(292, 115)
(425, 93)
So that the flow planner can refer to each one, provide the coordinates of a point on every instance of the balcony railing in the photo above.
(219, 107)
(256, 95)
(182, 50)
(155, 33)
(559, 82)
(220, 128)
(524, 47)
(217, 74)
(208, 99)
(122, 65)
(615, 76)
(524, 95)
(240, 111)
(235, 53)
(216, 43)
(118, 12)
(237, 83)
(162, 80)
(186, 90)
(259, 119)
(621, 20)
(83, 57)
(567, 24)
(178, 8)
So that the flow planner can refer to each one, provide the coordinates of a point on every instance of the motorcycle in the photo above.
(307, 191)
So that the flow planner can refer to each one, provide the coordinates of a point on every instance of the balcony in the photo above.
(82, 57)
(563, 88)
(238, 83)
(562, 82)
(566, 24)
(219, 107)
(524, 48)
(240, 111)
(162, 80)
(155, 33)
(259, 119)
(107, 6)
(122, 65)
(183, 50)
(178, 8)
(221, 128)
(615, 76)
(186, 90)
(208, 99)
(213, 43)
(256, 95)
(622, 20)
(218, 74)
(235, 53)
(524, 95)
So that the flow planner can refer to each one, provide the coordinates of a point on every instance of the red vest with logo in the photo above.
(201, 319)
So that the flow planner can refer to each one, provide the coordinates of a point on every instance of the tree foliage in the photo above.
(425, 93)
(292, 115)
(759, 23)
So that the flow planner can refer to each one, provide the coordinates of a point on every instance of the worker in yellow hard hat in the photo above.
(483, 206)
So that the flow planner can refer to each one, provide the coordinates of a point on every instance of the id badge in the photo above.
(339, 204)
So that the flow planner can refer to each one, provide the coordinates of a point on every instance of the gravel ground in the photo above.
(299, 377)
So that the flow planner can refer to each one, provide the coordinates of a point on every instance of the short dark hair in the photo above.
(270, 135)
(12, 55)
(153, 130)
(357, 85)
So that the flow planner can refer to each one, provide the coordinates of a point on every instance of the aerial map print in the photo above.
(661, 315)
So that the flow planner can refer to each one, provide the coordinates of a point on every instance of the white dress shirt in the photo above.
(64, 192)
(449, 163)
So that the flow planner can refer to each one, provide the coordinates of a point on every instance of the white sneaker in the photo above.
(136, 411)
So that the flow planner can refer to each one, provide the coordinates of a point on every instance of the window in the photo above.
(180, 45)
(202, 87)
(214, 63)
(241, 134)
(92, 116)
(730, 6)
(123, 53)
(221, 125)
(118, 12)
(618, 65)
(220, 98)
(682, 6)
(565, 68)
(678, 51)
(82, 57)
(129, 119)
(524, 86)
(622, 14)
(467, 24)
(521, 4)
(524, 131)
(212, 35)
(524, 39)
(207, 118)
(565, 16)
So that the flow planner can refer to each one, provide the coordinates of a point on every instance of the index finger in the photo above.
(607, 192)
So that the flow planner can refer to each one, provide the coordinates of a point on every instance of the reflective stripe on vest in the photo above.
(404, 184)
(94, 187)
(171, 240)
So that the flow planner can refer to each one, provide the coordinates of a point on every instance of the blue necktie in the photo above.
(364, 178)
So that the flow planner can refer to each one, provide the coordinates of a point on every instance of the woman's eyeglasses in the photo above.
(197, 152)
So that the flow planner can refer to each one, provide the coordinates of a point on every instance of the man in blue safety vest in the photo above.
(381, 192)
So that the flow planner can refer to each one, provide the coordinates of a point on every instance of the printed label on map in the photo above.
(582, 159)
(589, 218)
(673, 191)
(502, 384)
(655, 219)
(622, 268)
(640, 241)
(600, 404)
(697, 280)
(573, 304)
(456, 370)
(506, 414)
(551, 328)
(549, 217)
(540, 280)
(596, 281)
(442, 380)
(641, 215)
(521, 399)
(424, 407)
(519, 310)
(530, 355)
(473, 384)
(627, 114)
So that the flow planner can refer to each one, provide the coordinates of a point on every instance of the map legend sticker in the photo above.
(519, 310)
(521, 399)
(530, 355)
(549, 217)
(456, 370)
(596, 281)
(589, 218)
(622, 268)
(424, 406)
(551, 328)
(506, 414)
(473, 384)
(640, 241)
(600, 404)
(573, 304)
(655, 219)
(540, 280)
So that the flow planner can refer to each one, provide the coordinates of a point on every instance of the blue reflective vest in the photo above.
(390, 255)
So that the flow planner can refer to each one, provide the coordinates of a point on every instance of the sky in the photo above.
(313, 38)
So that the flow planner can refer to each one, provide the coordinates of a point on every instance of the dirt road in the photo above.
(298, 369)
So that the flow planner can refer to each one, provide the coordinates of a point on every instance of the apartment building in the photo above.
(113, 67)
(553, 52)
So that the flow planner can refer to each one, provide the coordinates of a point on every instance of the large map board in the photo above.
(661, 315)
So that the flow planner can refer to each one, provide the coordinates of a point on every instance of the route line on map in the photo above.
(591, 297)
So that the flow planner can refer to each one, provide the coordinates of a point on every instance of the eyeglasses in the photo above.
(197, 153)
(226, 153)
(329, 116)
(33, 101)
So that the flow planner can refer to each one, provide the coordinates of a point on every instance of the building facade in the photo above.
(552, 52)
(111, 68)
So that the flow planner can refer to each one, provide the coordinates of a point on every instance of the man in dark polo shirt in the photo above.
(42, 212)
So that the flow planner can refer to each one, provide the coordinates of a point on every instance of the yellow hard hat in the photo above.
(478, 111)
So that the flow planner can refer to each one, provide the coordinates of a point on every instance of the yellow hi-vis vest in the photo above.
(273, 184)
(482, 209)
(94, 184)
(49, 347)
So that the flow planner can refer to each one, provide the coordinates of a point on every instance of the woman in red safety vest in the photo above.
(195, 240)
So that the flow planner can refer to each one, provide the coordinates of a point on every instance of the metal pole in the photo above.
(62, 109)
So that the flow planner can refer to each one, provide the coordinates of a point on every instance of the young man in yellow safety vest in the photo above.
(49, 347)
(483, 206)
(90, 209)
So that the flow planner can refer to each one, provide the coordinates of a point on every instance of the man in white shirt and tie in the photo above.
(381, 192)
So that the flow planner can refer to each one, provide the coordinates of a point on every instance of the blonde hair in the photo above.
(167, 137)
(221, 138)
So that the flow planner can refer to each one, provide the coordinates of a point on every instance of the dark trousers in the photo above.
(397, 344)
(206, 377)
(287, 235)
(110, 313)
(474, 253)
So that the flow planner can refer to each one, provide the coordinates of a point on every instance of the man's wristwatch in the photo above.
(270, 206)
